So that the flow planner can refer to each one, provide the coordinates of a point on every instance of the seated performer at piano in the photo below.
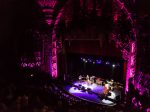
(106, 88)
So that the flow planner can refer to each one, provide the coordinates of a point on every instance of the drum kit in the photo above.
(99, 81)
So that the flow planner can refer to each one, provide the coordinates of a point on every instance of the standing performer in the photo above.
(87, 77)
(92, 79)
(88, 80)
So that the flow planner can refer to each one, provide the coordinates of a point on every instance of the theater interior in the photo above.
(75, 56)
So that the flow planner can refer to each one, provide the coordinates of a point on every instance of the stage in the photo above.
(92, 92)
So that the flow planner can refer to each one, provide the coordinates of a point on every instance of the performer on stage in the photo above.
(87, 78)
(106, 88)
(80, 77)
(111, 82)
(92, 79)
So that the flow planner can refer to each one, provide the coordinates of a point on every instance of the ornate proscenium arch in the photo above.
(52, 16)
(54, 44)
(128, 54)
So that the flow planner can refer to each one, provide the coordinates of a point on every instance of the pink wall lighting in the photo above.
(54, 45)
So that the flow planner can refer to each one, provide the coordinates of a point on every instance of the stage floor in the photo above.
(93, 95)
